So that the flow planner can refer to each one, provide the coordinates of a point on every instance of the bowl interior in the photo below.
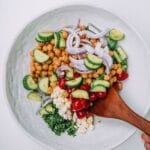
(109, 133)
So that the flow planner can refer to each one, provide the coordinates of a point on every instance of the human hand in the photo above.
(146, 139)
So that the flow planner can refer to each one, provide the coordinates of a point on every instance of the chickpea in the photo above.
(84, 75)
(119, 70)
(95, 75)
(51, 54)
(63, 53)
(45, 67)
(119, 65)
(89, 75)
(49, 47)
(49, 62)
(62, 63)
(106, 77)
(65, 94)
(49, 73)
(33, 69)
(70, 64)
(31, 53)
(39, 47)
(38, 67)
(55, 59)
(111, 53)
(113, 72)
(55, 67)
(100, 70)
(53, 84)
(37, 75)
(114, 79)
(50, 68)
(57, 52)
(93, 41)
(38, 72)
(44, 73)
(52, 41)
(88, 81)
(64, 34)
(66, 59)
(114, 66)
(82, 27)
(45, 48)
(49, 90)
(83, 55)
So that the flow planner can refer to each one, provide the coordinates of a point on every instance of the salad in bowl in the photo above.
(70, 69)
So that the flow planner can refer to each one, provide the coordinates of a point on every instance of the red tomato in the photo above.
(124, 75)
(85, 87)
(81, 114)
(79, 104)
(61, 83)
(76, 75)
(101, 94)
(93, 96)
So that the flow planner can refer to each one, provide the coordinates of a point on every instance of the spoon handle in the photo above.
(133, 118)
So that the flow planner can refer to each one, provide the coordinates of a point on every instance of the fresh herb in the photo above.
(111, 43)
(101, 77)
(57, 123)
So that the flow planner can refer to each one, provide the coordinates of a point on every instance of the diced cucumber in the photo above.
(29, 83)
(101, 82)
(53, 77)
(44, 84)
(94, 59)
(80, 94)
(57, 39)
(39, 40)
(43, 112)
(69, 74)
(117, 57)
(49, 108)
(62, 42)
(46, 36)
(111, 43)
(75, 82)
(98, 88)
(116, 35)
(91, 66)
(34, 96)
(40, 56)
(122, 53)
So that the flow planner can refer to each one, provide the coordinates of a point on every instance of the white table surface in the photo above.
(14, 14)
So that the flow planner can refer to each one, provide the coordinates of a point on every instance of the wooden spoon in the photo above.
(114, 107)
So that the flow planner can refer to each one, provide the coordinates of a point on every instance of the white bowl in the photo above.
(110, 132)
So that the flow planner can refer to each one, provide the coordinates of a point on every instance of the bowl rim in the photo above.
(5, 60)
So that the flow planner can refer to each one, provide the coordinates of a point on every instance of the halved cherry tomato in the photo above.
(124, 75)
(101, 94)
(81, 114)
(79, 104)
(85, 87)
(76, 74)
(93, 96)
(61, 83)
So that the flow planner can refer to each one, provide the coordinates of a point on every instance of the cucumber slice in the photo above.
(94, 59)
(117, 57)
(116, 35)
(34, 96)
(122, 53)
(49, 108)
(80, 94)
(40, 56)
(29, 83)
(57, 39)
(111, 43)
(62, 42)
(44, 84)
(39, 40)
(98, 88)
(90, 65)
(53, 78)
(69, 74)
(43, 112)
(101, 82)
(46, 36)
(74, 83)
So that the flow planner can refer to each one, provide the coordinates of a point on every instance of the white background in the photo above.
(15, 14)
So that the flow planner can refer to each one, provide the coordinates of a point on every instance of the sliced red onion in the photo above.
(108, 59)
(89, 71)
(85, 41)
(98, 50)
(92, 35)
